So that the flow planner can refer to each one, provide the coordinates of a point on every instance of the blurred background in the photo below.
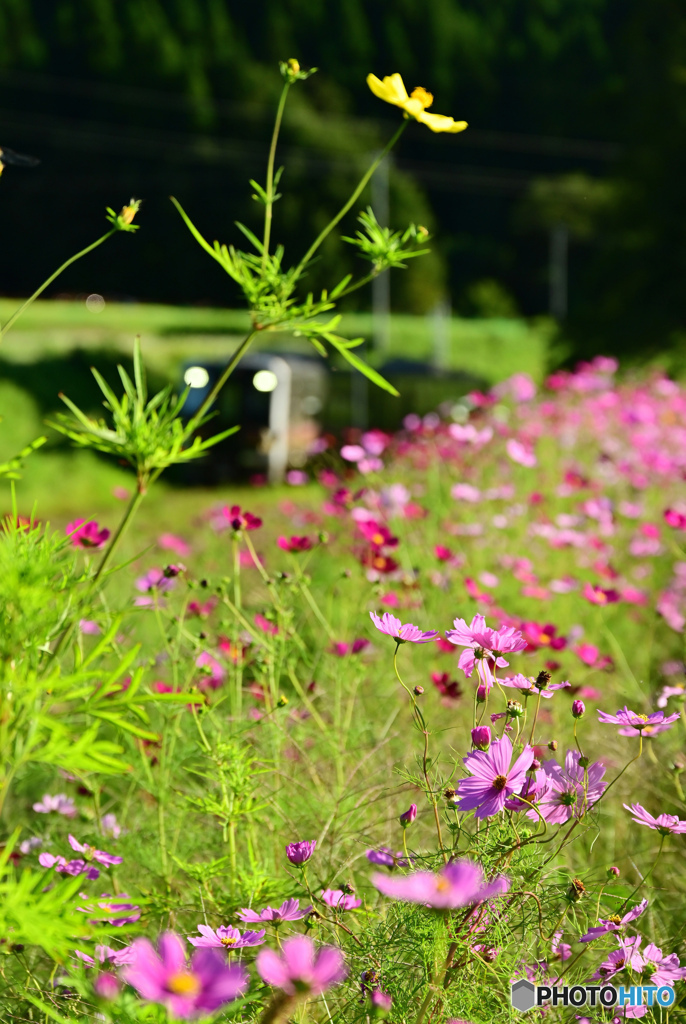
(559, 216)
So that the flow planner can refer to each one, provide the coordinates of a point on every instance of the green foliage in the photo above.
(149, 434)
(385, 248)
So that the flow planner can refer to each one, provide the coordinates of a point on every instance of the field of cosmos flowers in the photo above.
(403, 740)
(379, 750)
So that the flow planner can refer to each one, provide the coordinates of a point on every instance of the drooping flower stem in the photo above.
(72, 259)
(353, 198)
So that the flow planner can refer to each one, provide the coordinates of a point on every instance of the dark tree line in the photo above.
(159, 96)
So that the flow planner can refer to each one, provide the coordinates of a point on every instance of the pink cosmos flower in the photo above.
(118, 957)
(288, 911)
(232, 517)
(352, 452)
(154, 582)
(634, 723)
(185, 989)
(493, 779)
(520, 453)
(86, 534)
(122, 911)
(667, 692)
(675, 519)
(301, 969)
(89, 628)
(385, 857)
(339, 900)
(478, 639)
(65, 867)
(606, 925)
(662, 970)
(294, 544)
(90, 853)
(225, 937)
(628, 955)
(570, 790)
(300, 853)
(170, 542)
(60, 804)
(530, 685)
(665, 824)
(459, 884)
(596, 595)
(561, 950)
(402, 634)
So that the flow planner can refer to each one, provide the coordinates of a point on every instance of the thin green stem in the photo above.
(646, 876)
(353, 198)
(533, 724)
(130, 512)
(270, 174)
(32, 298)
(233, 363)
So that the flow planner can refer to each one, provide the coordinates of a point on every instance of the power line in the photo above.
(589, 149)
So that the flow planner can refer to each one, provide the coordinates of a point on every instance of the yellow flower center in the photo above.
(424, 97)
(183, 984)
(499, 782)
(442, 885)
(226, 941)
(615, 919)
(377, 538)
(644, 718)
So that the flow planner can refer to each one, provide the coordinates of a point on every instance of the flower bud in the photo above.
(584, 762)
(535, 765)
(542, 679)
(514, 709)
(282, 701)
(578, 708)
(408, 816)
(419, 690)
(481, 694)
(293, 65)
(552, 745)
(300, 853)
(381, 1003)
(481, 737)
(613, 872)
(106, 986)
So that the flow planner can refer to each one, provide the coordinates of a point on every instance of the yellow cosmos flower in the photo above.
(392, 90)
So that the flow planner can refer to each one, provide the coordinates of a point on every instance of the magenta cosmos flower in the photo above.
(493, 779)
(662, 970)
(87, 534)
(481, 642)
(60, 803)
(531, 685)
(634, 723)
(294, 544)
(628, 955)
(665, 824)
(402, 634)
(301, 969)
(300, 853)
(340, 900)
(459, 884)
(288, 911)
(225, 937)
(570, 790)
(90, 853)
(185, 989)
(614, 923)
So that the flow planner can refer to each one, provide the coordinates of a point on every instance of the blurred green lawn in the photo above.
(64, 484)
